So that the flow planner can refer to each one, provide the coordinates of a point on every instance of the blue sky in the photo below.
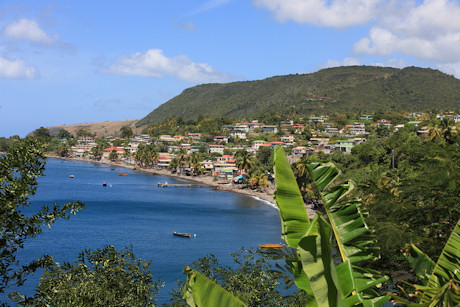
(67, 62)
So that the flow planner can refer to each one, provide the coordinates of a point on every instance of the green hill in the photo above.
(341, 89)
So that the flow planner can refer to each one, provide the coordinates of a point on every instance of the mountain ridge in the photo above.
(331, 90)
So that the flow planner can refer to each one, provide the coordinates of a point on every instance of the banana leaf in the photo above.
(201, 291)
(353, 237)
(421, 264)
(317, 262)
(294, 218)
(444, 282)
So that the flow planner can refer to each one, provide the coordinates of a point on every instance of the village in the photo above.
(222, 159)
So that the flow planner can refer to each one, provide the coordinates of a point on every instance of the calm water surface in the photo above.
(132, 210)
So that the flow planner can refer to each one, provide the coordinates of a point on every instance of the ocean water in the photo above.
(133, 210)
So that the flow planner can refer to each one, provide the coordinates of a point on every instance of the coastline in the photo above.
(265, 196)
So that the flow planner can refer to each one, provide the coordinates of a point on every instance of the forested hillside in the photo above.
(333, 90)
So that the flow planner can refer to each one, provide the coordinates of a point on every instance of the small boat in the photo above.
(104, 184)
(271, 245)
(122, 174)
(185, 235)
(71, 176)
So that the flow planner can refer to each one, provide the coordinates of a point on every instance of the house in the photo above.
(216, 149)
(194, 136)
(237, 134)
(178, 137)
(384, 123)
(344, 146)
(366, 117)
(166, 138)
(299, 152)
(164, 159)
(85, 140)
(268, 129)
(257, 143)
(288, 139)
(80, 149)
(224, 159)
(315, 119)
(414, 123)
(251, 125)
(106, 152)
(221, 139)
(207, 165)
(357, 129)
(331, 131)
(273, 144)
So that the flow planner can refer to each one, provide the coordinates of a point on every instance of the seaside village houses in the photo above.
(326, 136)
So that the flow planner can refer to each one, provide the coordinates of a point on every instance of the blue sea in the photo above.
(133, 210)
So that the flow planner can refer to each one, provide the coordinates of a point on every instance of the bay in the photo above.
(133, 210)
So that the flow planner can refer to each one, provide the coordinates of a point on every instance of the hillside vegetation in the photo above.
(333, 90)
(100, 129)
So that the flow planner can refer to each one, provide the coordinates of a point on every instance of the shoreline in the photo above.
(264, 196)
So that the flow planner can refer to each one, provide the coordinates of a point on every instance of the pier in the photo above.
(180, 185)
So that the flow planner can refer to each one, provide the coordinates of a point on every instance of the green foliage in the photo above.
(42, 134)
(20, 168)
(440, 281)
(256, 279)
(113, 156)
(104, 277)
(334, 90)
(126, 132)
(325, 283)
(64, 134)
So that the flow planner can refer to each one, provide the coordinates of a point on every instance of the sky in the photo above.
(79, 61)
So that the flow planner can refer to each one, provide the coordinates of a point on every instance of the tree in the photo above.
(243, 159)
(113, 156)
(42, 134)
(64, 134)
(440, 281)
(20, 168)
(84, 132)
(126, 132)
(64, 150)
(104, 277)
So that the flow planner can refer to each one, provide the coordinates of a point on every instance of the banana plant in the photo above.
(201, 291)
(314, 270)
(440, 281)
(328, 285)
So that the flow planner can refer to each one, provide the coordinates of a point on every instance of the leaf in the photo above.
(421, 264)
(201, 291)
(354, 240)
(316, 256)
(445, 279)
(294, 218)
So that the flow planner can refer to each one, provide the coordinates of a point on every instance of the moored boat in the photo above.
(185, 235)
(271, 245)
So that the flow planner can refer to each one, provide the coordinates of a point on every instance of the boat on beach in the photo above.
(184, 235)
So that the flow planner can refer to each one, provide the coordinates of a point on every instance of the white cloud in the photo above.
(154, 63)
(26, 29)
(333, 13)
(16, 70)
(451, 69)
(344, 62)
(428, 31)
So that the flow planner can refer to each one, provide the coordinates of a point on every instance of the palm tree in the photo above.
(244, 160)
